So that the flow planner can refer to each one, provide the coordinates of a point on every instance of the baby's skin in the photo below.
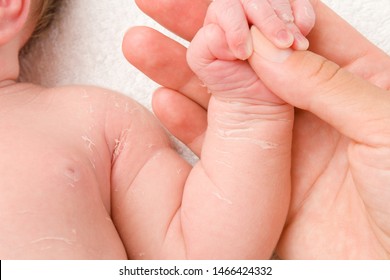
(70, 159)
(87, 173)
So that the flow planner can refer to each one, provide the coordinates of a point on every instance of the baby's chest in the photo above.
(48, 155)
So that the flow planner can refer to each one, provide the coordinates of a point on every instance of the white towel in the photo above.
(83, 46)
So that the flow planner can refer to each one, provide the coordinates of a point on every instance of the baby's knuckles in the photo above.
(230, 16)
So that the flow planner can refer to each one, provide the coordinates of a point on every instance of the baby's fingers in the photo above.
(304, 15)
(283, 10)
(287, 12)
(271, 20)
(230, 17)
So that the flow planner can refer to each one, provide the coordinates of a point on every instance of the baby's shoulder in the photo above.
(92, 99)
(112, 112)
(77, 93)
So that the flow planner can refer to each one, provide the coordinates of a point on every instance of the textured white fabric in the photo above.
(83, 45)
(370, 17)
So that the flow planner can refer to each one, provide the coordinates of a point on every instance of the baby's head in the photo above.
(21, 20)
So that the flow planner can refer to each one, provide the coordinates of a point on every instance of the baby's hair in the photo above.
(44, 13)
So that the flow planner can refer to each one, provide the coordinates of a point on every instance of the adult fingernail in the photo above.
(266, 49)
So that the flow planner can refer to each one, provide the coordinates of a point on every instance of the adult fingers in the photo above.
(164, 61)
(329, 39)
(308, 81)
(335, 39)
(185, 119)
(182, 17)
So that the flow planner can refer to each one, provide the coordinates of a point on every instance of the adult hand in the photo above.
(164, 61)
(334, 212)
(341, 164)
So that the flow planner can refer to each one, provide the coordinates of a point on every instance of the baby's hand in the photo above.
(283, 22)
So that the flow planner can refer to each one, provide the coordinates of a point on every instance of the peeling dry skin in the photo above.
(121, 143)
(59, 239)
(90, 144)
(222, 198)
(265, 145)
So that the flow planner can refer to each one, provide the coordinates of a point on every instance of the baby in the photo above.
(87, 173)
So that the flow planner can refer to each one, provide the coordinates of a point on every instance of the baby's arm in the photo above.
(233, 203)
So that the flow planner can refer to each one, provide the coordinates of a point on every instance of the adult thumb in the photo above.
(310, 82)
